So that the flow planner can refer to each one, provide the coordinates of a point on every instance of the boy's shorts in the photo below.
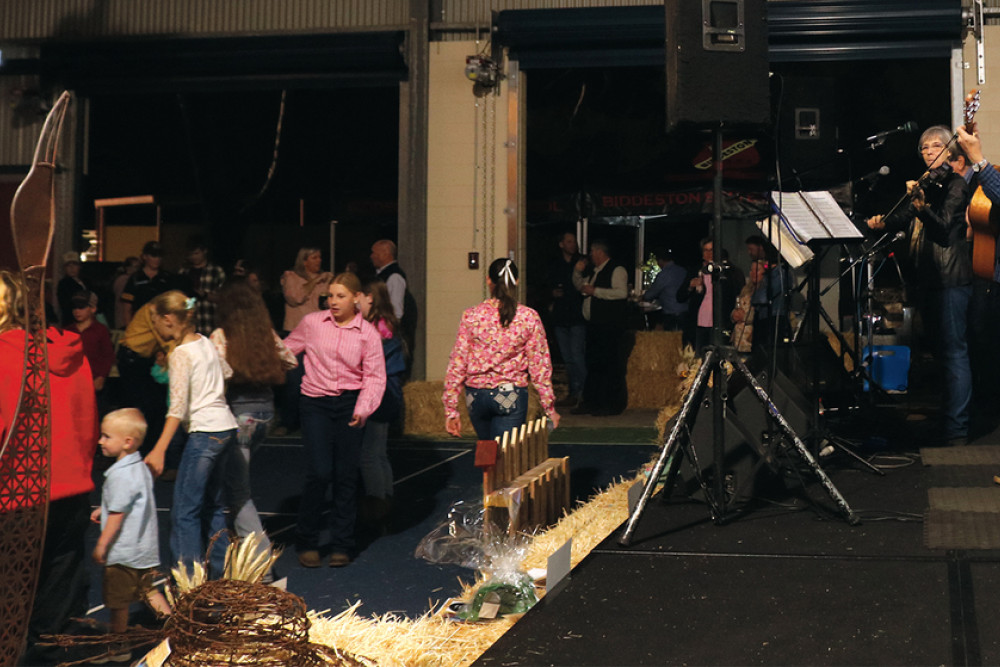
(124, 585)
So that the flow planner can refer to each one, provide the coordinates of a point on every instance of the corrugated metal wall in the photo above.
(31, 20)
(48, 19)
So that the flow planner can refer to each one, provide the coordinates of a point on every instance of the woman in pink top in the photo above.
(500, 346)
(342, 387)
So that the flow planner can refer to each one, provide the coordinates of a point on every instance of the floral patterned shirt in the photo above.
(487, 355)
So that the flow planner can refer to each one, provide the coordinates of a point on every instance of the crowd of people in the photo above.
(199, 361)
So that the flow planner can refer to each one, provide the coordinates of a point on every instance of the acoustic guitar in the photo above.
(984, 222)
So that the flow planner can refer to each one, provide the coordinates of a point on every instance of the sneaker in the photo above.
(338, 559)
(309, 558)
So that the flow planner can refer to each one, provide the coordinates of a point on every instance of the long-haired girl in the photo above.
(343, 385)
(376, 471)
(500, 346)
(256, 358)
(197, 398)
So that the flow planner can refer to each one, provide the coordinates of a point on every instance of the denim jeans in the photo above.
(198, 500)
(572, 341)
(333, 457)
(496, 411)
(242, 511)
(376, 471)
(953, 310)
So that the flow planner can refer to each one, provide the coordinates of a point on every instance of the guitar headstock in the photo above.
(970, 109)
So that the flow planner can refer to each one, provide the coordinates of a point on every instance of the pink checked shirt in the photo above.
(487, 355)
(340, 358)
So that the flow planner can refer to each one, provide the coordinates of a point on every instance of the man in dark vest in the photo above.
(403, 304)
(604, 285)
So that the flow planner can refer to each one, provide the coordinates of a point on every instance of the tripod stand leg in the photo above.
(827, 483)
(846, 448)
(670, 447)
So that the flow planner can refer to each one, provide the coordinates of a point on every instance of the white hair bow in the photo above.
(507, 273)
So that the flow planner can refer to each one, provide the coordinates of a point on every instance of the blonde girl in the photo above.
(197, 399)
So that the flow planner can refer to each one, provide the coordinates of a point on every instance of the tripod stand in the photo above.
(713, 362)
(714, 358)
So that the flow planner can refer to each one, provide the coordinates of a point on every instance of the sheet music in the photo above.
(793, 251)
(815, 216)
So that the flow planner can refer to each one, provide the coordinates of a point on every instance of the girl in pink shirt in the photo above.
(500, 346)
(343, 385)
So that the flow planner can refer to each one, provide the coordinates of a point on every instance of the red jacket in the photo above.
(75, 426)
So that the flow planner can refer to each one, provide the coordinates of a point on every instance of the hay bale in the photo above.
(424, 410)
(653, 378)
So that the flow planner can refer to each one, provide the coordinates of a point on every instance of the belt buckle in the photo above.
(506, 387)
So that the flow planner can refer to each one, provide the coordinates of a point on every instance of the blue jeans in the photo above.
(242, 511)
(572, 341)
(953, 309)
(494, 412)
(333, 457)
(198, 500)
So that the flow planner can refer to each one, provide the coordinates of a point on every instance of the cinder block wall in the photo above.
(453, 203)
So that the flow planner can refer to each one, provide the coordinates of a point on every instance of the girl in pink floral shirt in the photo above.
(500, 346)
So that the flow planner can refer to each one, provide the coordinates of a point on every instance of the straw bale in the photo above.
(652, 369)
(656, 351)
(396, 641)
(424, 410)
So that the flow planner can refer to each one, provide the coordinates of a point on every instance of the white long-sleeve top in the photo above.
(198, 388)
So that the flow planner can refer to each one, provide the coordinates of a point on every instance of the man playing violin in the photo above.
(941, 268)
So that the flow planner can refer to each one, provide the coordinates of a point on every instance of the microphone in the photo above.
(871, 177)
(908, 127)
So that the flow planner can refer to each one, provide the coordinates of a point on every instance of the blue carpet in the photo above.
(385, 576)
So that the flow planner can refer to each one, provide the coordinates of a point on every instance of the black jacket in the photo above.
(943, 257)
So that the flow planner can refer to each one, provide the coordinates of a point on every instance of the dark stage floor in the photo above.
(789, 582)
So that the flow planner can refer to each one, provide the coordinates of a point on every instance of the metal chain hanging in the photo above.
(492, 146)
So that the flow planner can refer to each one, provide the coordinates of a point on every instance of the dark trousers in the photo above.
(140, 390)
(63, 580)
(333, 456)
(607, 365)
(289, 397)
(984, 352)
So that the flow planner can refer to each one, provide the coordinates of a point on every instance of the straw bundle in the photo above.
(395, 641)
(425, 411)
(432, 641)
(652, 369)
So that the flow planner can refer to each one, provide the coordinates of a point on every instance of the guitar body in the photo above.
(985, 223)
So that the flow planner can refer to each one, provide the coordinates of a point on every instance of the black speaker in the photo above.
(717, 63)
(787, 398)
(740, 467)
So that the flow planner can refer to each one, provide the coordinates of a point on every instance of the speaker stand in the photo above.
(715, 358)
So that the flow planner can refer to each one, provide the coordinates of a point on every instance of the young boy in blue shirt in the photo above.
(128, 547)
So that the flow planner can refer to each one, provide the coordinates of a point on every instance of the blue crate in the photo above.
(889, 366)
